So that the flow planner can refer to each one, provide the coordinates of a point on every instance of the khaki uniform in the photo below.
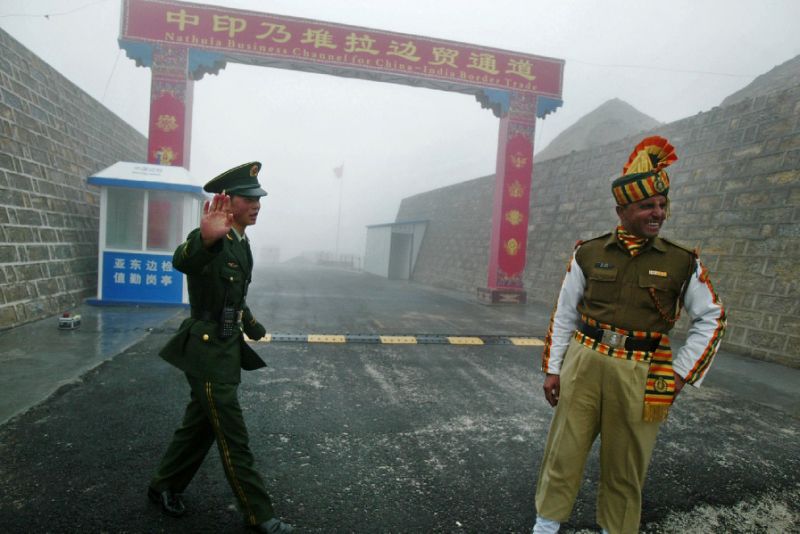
(602, 391)
(213, 369)
(618, 285)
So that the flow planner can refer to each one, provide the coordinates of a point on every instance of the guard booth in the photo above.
(146, 211)
(392, 248)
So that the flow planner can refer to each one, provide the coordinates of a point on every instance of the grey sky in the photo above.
(669, 60)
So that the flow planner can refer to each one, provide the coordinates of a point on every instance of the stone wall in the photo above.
(736, 197)
(52, 136)
(455, 242)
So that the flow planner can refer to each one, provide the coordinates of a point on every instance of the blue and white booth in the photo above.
(146, 211)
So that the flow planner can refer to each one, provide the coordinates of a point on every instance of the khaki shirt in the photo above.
(633, 292)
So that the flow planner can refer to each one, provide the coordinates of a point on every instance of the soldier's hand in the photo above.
(552, 388)
(679, 383)
(216, 220)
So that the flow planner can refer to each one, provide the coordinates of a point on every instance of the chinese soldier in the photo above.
(210, 349)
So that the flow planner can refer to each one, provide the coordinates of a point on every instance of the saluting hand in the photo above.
(217, 219)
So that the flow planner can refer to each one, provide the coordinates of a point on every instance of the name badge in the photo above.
(662, 274)
(603, 265)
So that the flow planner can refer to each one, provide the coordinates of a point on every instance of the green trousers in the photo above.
(214, 414)
(599, 395)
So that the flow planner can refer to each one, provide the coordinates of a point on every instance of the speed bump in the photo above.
(401, 339)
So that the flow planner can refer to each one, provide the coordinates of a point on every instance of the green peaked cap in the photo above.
(241, 180)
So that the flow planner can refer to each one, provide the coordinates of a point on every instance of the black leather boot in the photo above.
(171, 503)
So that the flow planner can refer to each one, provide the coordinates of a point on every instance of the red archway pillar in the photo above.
(171, 92)
(511, 203)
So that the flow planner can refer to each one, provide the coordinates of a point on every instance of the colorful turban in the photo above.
(643, 176)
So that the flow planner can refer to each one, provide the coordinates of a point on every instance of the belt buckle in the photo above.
(614, 339)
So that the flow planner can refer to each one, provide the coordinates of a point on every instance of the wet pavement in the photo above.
(366, 438)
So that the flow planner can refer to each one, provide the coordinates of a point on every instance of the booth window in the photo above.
(124, 219)
(164, 220)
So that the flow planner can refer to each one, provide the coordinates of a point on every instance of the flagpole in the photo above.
(339, 217)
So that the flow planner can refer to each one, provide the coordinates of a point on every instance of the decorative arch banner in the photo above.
(181, 42)
(296, 43)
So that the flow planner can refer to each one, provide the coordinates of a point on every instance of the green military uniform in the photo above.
(217, 277)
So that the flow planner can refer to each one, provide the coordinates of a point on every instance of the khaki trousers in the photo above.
(213, 414)
(599, 395)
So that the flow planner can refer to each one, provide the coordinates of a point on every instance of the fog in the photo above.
(668, 60)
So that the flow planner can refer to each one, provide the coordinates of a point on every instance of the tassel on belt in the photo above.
(652, 347)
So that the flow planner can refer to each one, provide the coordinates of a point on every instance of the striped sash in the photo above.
(660, 388)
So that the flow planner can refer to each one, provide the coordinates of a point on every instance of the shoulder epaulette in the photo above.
(693, 251)
(584, 241)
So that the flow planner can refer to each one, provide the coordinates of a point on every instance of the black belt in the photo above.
(618, 341)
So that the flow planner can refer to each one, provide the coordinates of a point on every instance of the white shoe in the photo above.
(545, 526)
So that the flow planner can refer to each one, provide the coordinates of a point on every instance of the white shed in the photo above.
(392, 248)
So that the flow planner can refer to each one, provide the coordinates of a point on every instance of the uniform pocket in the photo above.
(231, 274)
(665, 290)
(601, 285)
(203, 340)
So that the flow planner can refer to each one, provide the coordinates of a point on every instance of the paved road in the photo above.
(379, 438)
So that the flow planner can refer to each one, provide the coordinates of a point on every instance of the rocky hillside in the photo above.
(781, 77)
(613, 120)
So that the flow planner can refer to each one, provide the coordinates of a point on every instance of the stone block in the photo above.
(46, 287)
(742, 264)
(19, 182)
(8, 317)
(780, 305)
(791, 177)
(770, 322)
(746, 318)
(36, 309)
(751, 282)
(16, 292)
(707, 203)
(28, 217)
(735, 334)
(37, 253)
(12, 100)
(788, 230)
(19, 234)
(768, 341)
(755, 199)
(748, 151)
(8, 254)
(773, 215)
(731, 184)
